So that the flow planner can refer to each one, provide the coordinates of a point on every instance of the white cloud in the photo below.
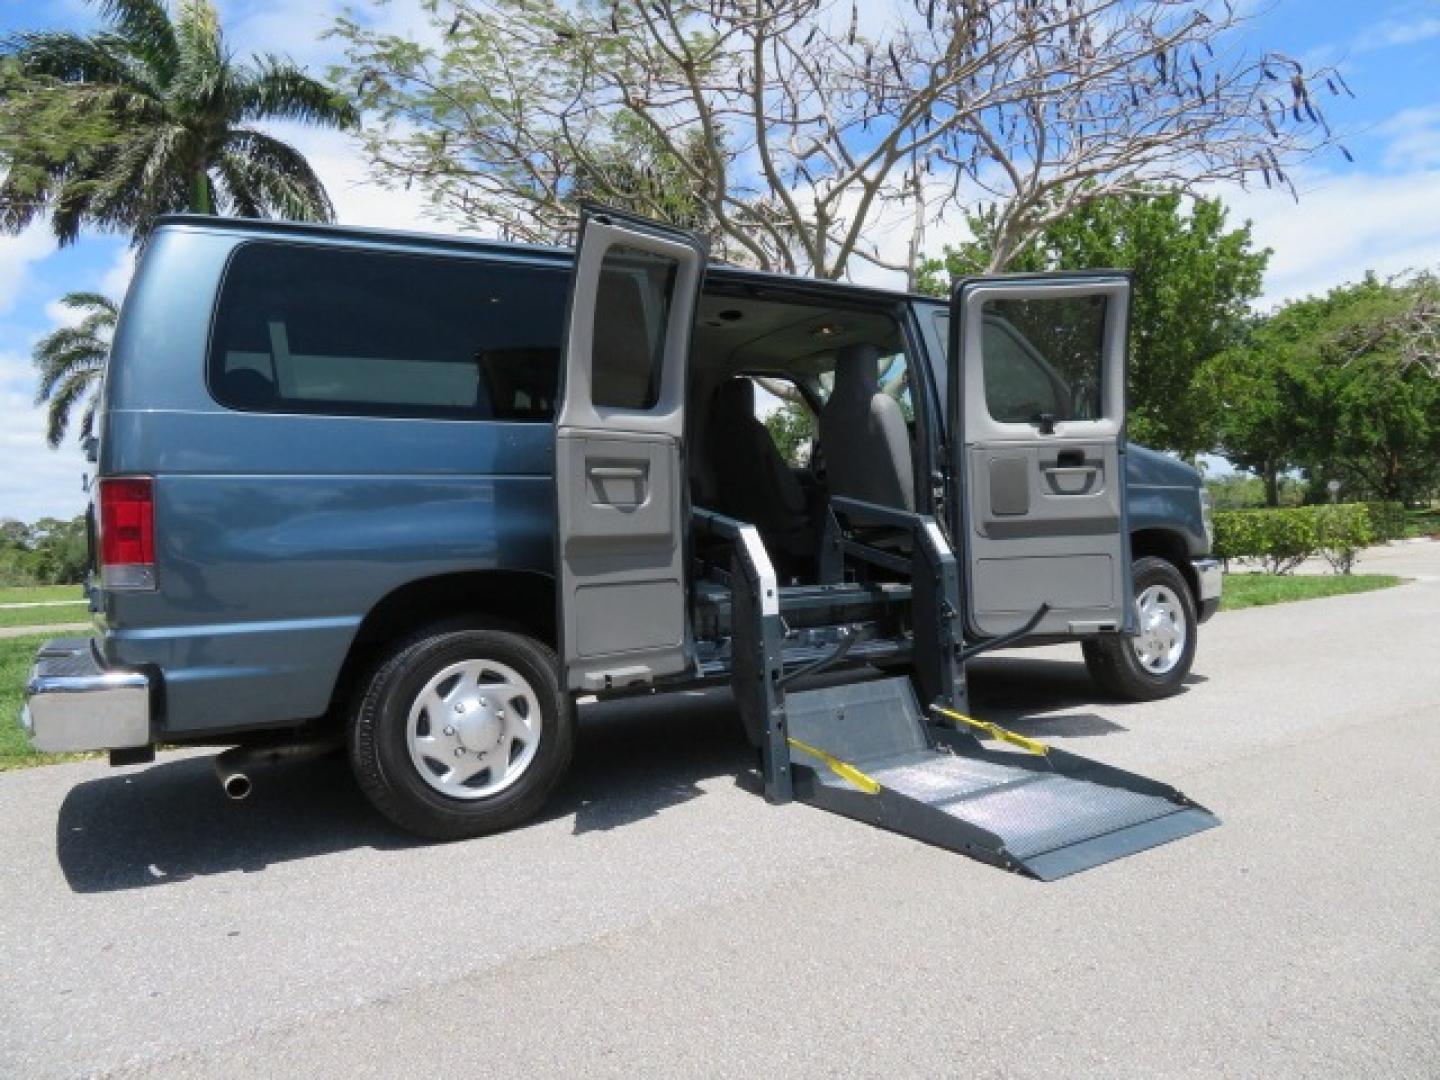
(116, 280)
(293, 29)
(16, 255)
(359, 200)
(63, 315)
(36, 481)
(1414, 136)
(297, 28)
(1389, 33)
(1343, 225)
(113, 283)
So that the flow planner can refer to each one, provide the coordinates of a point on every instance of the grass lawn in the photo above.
(35, 594)
(1422, 523)
(64, 604)
(1257, 590)
(45, 616)
(16, 656)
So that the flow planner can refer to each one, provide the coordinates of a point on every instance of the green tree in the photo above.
(60, 551)
(50, 552)
(791, 426)
(1332, 385)
(633, 170)
(71, 363)
(1265, 396)
(1194, 280)
(152, 115)
(14, 534)
(1378, 424)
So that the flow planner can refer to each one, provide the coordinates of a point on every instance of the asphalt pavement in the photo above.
(663, 920)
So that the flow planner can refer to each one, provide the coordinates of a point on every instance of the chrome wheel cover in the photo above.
(1160, 641)
(473, 729)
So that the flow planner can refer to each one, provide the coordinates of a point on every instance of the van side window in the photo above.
(632, 310)
(323, 330)
(1044, 355)
(1017, 386)
(1021, 382)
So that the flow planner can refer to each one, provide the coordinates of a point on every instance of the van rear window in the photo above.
(304, 328)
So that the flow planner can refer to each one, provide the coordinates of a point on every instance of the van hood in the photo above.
(1149, 466)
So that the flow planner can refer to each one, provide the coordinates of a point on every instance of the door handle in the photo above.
(617, 472)
(1071, 480)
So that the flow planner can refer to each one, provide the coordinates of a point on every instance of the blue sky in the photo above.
(1382, 213)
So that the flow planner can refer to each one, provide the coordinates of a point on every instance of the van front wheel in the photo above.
(462, 732)
(1154, 663)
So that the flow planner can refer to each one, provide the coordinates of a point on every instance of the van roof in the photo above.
(403, 238)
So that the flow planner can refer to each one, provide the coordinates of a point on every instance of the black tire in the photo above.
(1112, 660)
(379, 748)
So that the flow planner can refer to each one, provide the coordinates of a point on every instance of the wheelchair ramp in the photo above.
(865, 750)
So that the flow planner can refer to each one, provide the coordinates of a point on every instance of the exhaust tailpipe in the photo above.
(236, 785)
(233, 766)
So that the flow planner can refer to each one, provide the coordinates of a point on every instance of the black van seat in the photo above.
(752, 480)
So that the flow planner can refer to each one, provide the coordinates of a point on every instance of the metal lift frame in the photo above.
(759, 680)
(758, 676)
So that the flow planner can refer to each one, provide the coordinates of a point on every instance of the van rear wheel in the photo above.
(462, 732)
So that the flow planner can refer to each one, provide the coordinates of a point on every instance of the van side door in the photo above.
(619, 452)
(1037, 421)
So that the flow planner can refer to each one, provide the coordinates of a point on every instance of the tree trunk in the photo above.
(917, 230)
(200, 193)
(1272, 486)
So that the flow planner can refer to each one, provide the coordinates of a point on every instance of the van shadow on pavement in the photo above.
(170, 822)
(639, 757)
(1038, 697)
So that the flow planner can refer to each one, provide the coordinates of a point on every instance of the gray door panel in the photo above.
(1040, 451)
(621, 553)
(619, 472)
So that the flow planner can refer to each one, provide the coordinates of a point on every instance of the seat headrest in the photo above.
(735, 398)
(857, 370)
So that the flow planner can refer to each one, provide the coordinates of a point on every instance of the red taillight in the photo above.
(127, 532)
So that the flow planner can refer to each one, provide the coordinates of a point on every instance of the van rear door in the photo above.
(1037, 416)
(619, 446)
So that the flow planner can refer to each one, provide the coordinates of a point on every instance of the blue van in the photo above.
(414, 495)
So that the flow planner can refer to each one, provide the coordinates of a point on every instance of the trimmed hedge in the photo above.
(1387, 520)
(1282, 539)
(1341, 531)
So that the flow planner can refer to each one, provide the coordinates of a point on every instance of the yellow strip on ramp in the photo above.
(842, 769)
(1034, 746)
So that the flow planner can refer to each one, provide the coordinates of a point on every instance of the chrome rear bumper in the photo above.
(72, 703)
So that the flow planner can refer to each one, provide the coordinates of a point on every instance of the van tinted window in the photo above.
(312, 329)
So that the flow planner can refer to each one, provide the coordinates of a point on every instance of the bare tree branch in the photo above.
(783, 128)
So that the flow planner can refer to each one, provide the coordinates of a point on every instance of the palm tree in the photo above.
(71, 361)
(152, 115)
